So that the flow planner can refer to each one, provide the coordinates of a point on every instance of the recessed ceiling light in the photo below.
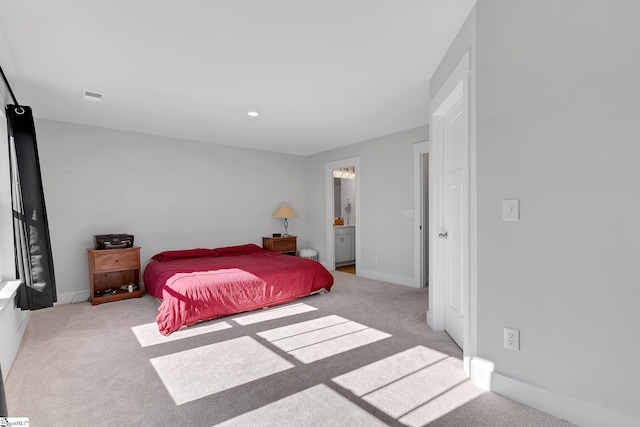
(92, 96)
(253, 114)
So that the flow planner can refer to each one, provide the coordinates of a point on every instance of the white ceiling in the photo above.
(322, 73)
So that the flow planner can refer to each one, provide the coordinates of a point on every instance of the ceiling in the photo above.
(322, 73)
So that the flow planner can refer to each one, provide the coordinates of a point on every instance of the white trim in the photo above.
(68, 297)
(8, 290)
(436, 312)
(430, 320)
(573, 410)
(389, 278)
(419, 149)
(330, 263)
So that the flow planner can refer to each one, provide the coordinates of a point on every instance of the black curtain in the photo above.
(34, 261)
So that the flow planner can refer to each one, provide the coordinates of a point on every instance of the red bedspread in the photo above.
(219, 284)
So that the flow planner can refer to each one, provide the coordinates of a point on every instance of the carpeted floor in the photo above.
(359, 355)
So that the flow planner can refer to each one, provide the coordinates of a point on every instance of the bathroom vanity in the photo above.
(345, 244)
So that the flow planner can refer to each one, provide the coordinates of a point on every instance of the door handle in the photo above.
(444, 235)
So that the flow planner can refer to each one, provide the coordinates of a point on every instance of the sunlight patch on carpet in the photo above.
(302, 327)
(148, 334)
(318, 339)
(315, 406)
(416, 386)
(442, 405)
(203, 371)
(274, 313)
(386, 371)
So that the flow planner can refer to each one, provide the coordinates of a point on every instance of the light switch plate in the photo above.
(511, 210)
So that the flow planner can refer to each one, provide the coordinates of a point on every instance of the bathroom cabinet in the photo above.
(345, 245)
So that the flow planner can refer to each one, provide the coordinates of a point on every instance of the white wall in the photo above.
(168, 193)
(558, 128)
(386, 190)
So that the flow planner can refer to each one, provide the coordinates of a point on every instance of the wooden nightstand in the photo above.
(283, 245)
(111, 269)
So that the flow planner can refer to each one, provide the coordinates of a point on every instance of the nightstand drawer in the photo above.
(117, 260)
(281, 245)
(284, 245)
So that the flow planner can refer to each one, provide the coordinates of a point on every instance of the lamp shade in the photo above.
(285, 212)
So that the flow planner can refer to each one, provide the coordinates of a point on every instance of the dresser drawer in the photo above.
(116, 260)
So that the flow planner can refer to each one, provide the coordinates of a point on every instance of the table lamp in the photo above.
(285, 212)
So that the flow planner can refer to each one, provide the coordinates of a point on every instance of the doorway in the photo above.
(342, 214)
(421, 206)
(344, 191)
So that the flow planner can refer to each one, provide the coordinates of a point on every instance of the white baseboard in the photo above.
(567, 408)
(398, 280)
(81, 296)
(68, 297)
(64, 298)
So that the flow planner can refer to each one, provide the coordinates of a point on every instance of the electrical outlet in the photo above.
(512, 339)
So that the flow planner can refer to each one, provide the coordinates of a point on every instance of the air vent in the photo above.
(92, 96)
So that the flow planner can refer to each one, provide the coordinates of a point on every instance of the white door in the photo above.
(455, 275)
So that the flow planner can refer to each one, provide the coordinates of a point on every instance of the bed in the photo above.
(202, 284)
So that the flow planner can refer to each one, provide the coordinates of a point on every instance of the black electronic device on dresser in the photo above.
(113, 241)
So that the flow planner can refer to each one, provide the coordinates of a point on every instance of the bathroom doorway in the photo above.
(344, 191)
(342, 216)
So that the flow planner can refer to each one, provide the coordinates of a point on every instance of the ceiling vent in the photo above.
(92, 96)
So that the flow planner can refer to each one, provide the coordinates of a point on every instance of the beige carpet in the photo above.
(359, 355)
